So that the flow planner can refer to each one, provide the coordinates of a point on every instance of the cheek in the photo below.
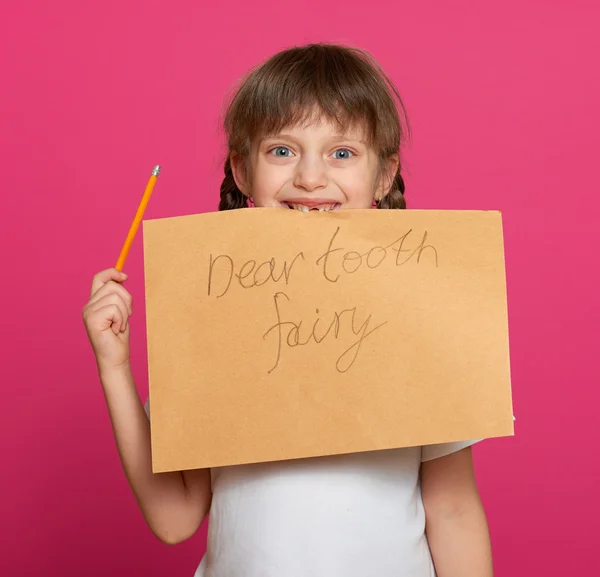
(267, 183)
(359, 188)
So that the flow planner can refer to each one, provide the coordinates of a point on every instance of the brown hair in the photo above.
(346, 85)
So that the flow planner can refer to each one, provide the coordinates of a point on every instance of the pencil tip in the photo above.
(156, 170)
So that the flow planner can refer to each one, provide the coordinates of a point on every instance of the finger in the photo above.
(108, 317)
(113, 287)
(106, 275)
(112, 299)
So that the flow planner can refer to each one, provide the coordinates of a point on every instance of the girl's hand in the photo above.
(106, 319)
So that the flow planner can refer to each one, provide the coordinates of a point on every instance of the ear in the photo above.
(387, 176)
(240, 173)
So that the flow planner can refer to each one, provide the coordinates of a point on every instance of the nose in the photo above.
(311, 174)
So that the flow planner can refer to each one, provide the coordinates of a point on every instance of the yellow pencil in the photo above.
(138, 217)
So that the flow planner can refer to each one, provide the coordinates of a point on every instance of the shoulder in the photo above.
(431, 452)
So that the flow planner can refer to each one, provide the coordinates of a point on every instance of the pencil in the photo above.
(138, 218)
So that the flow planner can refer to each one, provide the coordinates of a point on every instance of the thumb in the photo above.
(107, 275)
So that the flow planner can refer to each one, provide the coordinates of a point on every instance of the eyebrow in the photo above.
(343, 137)
(278, 135)
(338, 137)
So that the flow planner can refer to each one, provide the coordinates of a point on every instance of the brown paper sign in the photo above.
(275, 334)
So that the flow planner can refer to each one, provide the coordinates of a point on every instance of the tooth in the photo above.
(305, 209)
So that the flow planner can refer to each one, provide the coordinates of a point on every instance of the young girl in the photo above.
(313, 128)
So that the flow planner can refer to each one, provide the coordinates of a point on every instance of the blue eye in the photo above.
(342, 154)
(282, 151)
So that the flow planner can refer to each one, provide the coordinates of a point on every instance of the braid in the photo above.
(231, 196)
(395, 197)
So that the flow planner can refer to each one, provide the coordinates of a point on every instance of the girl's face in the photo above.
(313, 167)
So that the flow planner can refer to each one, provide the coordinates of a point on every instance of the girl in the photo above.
(313, 128)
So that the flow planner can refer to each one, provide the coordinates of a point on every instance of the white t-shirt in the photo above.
(357, 515)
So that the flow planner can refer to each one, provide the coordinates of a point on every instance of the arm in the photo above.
(456, 525)
(173, 504)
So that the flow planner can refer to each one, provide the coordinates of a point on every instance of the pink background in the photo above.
(504, 104)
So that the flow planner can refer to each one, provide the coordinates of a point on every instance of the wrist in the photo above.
(110, 373)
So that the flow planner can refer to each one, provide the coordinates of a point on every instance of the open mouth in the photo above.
(321, 207)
